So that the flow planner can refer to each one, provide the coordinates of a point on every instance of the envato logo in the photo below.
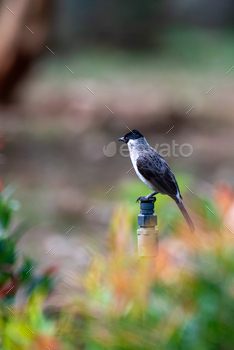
(165, 150)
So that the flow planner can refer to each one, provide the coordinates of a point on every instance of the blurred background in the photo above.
(74, 76)
(149, 62)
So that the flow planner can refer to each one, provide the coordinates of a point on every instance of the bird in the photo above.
(154, 171)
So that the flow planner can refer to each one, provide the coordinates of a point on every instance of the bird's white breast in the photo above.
(134, 155)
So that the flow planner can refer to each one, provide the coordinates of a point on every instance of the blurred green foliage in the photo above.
(184, 300)
(16, 271)
(17, 278)
(184, 51)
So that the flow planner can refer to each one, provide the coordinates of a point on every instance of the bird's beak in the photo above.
(122, 139)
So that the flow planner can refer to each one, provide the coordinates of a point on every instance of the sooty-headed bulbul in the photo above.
(154, 171)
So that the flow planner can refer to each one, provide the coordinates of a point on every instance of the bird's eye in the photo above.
(126, 138)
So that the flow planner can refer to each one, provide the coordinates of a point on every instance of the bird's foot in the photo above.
(147, 198)
(141, 198)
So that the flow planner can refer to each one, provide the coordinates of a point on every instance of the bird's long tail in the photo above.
(186, 216)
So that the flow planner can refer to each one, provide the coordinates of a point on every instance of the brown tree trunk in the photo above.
(19, 47)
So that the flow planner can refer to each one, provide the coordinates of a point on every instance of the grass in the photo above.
(186, 50)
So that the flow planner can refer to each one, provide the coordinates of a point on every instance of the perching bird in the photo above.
(154, 171)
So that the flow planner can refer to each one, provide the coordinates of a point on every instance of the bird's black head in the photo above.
(132, 135)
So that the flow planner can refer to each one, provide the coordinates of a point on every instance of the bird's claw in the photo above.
(149, 198)
(141, 198)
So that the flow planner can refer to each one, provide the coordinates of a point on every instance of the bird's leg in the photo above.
(145, 198)
(151, 195)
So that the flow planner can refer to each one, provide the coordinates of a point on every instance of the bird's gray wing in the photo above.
(156, 171)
